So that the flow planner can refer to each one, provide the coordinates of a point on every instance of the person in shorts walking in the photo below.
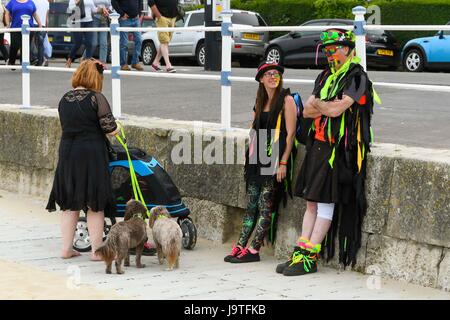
(165, 13)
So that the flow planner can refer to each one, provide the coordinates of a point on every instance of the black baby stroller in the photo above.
(157, 189)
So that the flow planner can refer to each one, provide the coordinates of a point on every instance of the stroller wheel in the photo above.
(189, 233)
(109, 222)
(81, 241)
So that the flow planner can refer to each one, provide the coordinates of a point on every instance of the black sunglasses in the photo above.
(99, 65)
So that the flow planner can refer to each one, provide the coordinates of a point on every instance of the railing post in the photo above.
(115, 65)
(360, 34)
(226, 70)
(25, 62)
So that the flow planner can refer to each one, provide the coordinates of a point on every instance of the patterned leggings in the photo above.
(260, 200)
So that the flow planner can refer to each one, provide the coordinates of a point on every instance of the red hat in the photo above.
(265, 66)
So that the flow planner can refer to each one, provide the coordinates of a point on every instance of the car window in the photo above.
(56, 20)
(310, 33)
(180, 23)
(447, 32)
(245, 18)
(338, 23)
(261, 21)
(146, 23)
(197, 19)
(377, 33)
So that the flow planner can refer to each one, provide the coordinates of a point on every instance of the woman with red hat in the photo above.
(268, 160)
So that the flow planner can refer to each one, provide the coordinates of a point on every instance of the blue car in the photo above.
(427, 53)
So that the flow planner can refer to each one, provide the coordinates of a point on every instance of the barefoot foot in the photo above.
(95, 257)
(70, 254)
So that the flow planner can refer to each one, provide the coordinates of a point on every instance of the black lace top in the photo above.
(82, 179)
(83, 111)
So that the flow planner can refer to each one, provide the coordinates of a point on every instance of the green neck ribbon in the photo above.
(332, 83)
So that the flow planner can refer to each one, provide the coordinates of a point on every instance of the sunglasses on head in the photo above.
(99, 65)
(330, 35)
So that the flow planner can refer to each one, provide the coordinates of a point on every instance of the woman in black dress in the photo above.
(82, 179)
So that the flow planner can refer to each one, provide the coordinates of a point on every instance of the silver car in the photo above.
(247, 46)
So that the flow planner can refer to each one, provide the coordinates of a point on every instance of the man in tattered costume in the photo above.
(334, 169)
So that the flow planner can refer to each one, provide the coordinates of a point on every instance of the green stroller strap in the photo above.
(134, 182)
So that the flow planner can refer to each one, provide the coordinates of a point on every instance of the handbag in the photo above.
(112, 153)
(48, 49)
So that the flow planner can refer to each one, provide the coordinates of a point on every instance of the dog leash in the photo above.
(134, 181)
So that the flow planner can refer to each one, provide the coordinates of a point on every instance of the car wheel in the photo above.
(200, 54)
(414, 61)
(274, 55)
(148, 53)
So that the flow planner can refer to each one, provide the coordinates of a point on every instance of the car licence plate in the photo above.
(67, 38)
(382, 52)
(252, 36)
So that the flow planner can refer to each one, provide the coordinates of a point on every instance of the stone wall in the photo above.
(406, 233)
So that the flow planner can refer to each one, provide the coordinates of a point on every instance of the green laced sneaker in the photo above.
(303, 262)
(284, 265)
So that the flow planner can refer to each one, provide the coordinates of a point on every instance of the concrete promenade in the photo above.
(30, 268)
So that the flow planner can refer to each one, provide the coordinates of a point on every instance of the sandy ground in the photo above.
(21, 281)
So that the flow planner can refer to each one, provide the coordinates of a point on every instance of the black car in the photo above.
(299, 48)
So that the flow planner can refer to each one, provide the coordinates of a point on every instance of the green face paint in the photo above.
(277, 81)
(334, 64)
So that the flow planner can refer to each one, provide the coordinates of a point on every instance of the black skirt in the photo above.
(82, 179)
(317, 181)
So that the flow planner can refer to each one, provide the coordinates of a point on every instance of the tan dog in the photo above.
(167, 235)
(125, 235)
